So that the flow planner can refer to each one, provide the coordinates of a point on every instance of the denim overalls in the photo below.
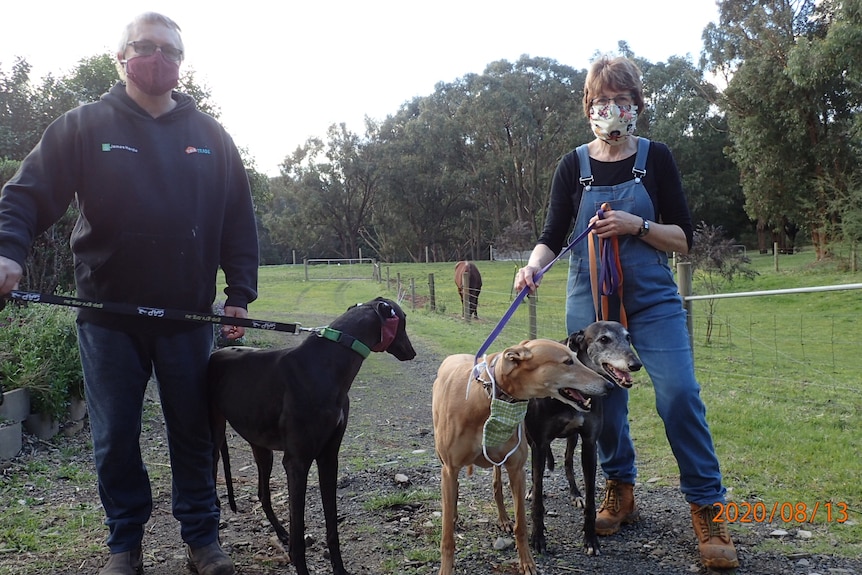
(657, 323)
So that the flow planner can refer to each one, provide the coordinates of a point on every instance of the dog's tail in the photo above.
(225, 457)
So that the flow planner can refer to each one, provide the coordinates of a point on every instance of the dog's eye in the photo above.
(569, 361)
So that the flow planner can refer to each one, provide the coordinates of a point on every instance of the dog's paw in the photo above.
(578, 501)
(538, 543)
(591, 546)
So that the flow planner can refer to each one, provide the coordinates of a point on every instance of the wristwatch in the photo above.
(644, 228)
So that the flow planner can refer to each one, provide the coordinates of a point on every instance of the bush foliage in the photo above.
(39, 352)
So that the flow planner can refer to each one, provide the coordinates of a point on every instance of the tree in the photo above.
(682, 113)
(786, 117)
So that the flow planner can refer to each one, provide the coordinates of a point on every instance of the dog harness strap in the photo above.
(345, 340)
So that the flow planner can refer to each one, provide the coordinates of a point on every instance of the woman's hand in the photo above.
(616, 223)
(524, 277)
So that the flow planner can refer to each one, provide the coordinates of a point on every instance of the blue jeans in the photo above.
(117, 366)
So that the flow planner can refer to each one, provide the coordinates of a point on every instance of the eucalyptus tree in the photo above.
(520, 118)
(333, 187)
(682, 113)
(18, 132)
(424, 208)
(782, 125)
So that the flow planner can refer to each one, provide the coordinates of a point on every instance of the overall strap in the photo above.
(639, 171)
(584, 162)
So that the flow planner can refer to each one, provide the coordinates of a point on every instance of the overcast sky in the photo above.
(282, 72)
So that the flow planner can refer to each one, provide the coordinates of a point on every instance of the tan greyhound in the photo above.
(461, 406)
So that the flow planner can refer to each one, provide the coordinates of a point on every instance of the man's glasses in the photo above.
(146, 48)
(619, 100)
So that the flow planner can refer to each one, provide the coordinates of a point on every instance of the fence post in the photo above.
(431, 292)
(387, 278)
(413, 291)
(534, 300)
(465, 295)
(775, 254)
(683, 272)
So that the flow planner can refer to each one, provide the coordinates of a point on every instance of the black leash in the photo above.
(154, 312)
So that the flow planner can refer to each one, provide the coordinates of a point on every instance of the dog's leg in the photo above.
(518, 484)
(297, 488)
(589, 462)
(327, 470)
(503, 519)
(263, 458)
(537, 510)
(449, 502)
(574, 492)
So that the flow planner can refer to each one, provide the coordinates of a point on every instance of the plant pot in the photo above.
(10, 439)
(16, 405)
(42, 425)
(77, 409)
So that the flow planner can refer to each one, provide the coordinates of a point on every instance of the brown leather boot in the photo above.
(210, 560)
(713, 541)
(617, 508)
(125, 563)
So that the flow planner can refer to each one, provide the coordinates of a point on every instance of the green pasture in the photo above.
(778, 377)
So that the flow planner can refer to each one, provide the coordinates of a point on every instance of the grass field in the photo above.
(782, 395)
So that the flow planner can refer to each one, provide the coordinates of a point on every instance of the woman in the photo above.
(649, 216)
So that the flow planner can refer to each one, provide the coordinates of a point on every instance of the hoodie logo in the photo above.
(193, 150)
(109, 147)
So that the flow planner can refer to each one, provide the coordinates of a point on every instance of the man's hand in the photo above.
(234, 331)
(10, 275)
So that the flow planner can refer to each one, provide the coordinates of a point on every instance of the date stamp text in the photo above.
(785, 511)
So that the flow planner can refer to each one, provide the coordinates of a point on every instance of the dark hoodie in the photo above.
(163, 201)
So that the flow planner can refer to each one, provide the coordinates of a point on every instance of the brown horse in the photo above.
(475, 285)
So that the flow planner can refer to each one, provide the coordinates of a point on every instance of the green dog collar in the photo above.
(346, 340)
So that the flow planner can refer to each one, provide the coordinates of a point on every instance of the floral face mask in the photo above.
(613, 124)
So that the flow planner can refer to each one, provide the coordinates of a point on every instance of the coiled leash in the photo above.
(610, 281)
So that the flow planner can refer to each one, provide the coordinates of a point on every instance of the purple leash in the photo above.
(520, 298)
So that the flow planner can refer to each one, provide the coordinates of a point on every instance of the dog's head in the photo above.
(388, 331)
(545, 368)
(606, 348)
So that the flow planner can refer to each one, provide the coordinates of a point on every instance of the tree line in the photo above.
(764, 127)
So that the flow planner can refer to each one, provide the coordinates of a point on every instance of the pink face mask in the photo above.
(154, 75)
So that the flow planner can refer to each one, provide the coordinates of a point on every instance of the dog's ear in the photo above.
(513, 356)
(389, 323)
(576, 340)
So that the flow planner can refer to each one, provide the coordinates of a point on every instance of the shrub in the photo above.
(39, 346)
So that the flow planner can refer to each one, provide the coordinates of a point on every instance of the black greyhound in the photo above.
(296, 401)
(604, 347)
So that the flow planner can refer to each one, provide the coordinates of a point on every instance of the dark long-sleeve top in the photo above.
(662, 181)
(164, 202)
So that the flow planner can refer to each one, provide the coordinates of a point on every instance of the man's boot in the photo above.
(713, 540)
(617, 508)
(125, 563)
(210, 560)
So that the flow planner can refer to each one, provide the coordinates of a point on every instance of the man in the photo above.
(164, 201)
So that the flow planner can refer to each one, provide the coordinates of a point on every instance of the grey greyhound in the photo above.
(605, 347)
